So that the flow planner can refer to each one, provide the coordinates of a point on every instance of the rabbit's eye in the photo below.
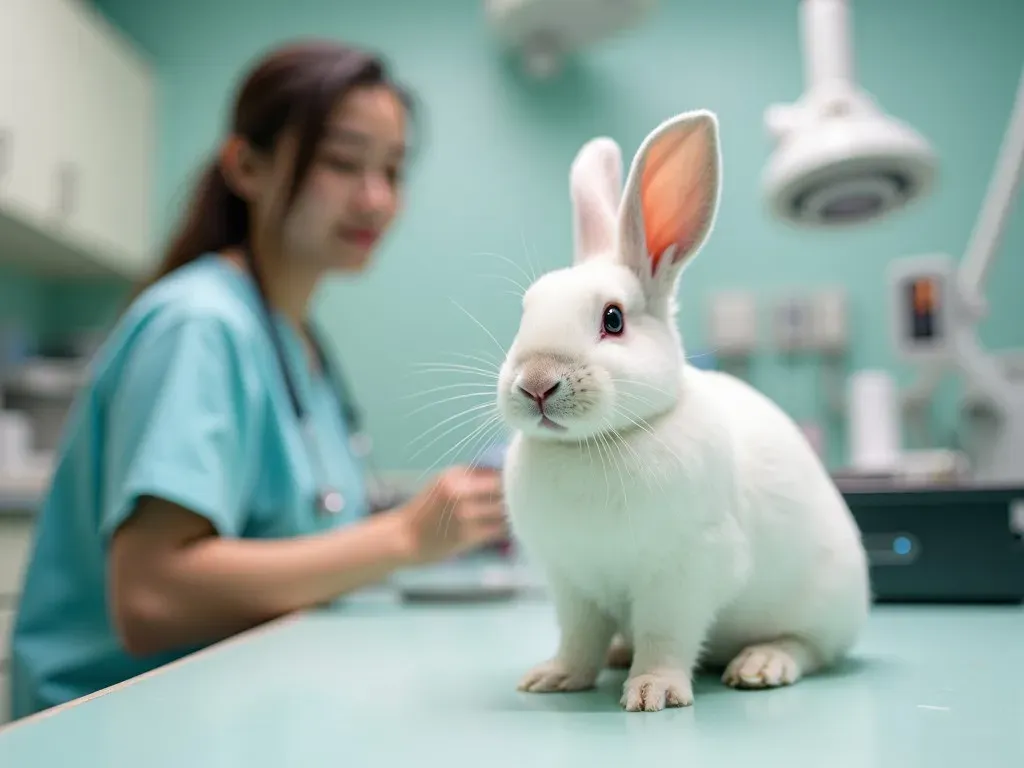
(613, 321)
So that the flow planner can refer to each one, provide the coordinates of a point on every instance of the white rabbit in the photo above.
(674, 511)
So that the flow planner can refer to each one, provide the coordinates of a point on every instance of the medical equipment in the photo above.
(472, 579)
(840, 159)
(872, 421)
(329, 500)
(936, 308)
(941, 544)
(958, 541)
(543, 32)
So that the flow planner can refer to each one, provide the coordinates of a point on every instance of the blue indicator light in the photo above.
(901, 545)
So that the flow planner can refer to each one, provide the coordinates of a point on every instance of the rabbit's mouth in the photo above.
(547, 423)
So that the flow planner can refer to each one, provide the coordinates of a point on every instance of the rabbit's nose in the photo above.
(539, 389)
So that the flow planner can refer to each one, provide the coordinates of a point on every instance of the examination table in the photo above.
(378, 682)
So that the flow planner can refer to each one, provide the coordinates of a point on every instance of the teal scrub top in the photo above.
(186, 401)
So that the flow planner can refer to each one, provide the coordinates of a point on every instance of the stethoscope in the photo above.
(329, 500)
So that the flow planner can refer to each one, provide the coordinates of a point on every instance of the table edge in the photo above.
(247, 635)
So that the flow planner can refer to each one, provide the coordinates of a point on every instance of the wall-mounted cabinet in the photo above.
(77, 141)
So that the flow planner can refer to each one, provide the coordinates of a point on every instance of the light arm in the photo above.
(825, 44)
(826, 39)
(995, 211)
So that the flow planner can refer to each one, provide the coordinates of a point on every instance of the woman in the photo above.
(187, 502)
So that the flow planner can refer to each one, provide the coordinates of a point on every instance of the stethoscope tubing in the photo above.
(329, 499)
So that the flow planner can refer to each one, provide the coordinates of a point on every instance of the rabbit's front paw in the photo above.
(556, 676)
(654, 692)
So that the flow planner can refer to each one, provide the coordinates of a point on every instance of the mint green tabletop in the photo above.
(378, 683)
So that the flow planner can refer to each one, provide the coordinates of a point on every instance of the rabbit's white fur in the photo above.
(675, 507)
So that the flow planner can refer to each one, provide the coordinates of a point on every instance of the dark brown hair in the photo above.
(292, 87)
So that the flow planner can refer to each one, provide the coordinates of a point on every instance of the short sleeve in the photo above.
(181, 424)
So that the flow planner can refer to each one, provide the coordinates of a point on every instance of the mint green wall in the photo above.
(19, 297)
(47, 310)
(492, 177)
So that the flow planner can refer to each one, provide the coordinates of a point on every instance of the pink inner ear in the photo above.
(676, 192)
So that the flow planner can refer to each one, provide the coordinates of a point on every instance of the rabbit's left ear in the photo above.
(671, 198)
(595, 186)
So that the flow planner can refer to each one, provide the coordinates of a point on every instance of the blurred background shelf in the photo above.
(21, 494)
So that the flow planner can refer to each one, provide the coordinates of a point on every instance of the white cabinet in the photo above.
(77, 141)
(28, 78)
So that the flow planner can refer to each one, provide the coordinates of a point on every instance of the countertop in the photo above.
(378, 682)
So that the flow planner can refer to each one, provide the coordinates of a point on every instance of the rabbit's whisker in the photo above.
(633, 383)
(490, 424)
(640, 469)
(526, 253)
(488, 431)
(456, 367)
(514, 282)
(482, 327)
(515, 264)
(444, 400)
(486, 426)
(650, 430)
(443, 387)
(600, 454)
(637, 398)
(461, 369)
(485, 359)
(460, 415)
(619, 467)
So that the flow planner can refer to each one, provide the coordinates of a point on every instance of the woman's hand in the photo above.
(460, 510)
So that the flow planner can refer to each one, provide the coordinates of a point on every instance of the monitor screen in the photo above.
(922, 296)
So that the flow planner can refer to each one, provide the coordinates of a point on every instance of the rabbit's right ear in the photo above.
(671, 200)
(595, 183)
